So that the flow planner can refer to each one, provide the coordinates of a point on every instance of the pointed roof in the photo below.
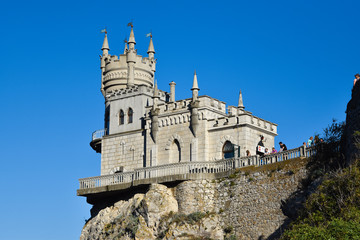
(132, 36)
(151, 46)
(195, 83)
(126, 47)
(240, 104)
(105, 44)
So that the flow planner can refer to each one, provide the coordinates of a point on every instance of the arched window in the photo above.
(228, 150)
(121, 117)
(175, 152)
(130, 115)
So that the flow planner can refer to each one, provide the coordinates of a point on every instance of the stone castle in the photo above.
(145, 126)
(156, 152)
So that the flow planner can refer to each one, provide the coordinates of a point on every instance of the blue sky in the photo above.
(293, 60)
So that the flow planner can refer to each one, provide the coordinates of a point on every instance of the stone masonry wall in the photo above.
(124, 151)
(246, 205)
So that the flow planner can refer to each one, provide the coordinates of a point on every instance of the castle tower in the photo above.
(128, 69)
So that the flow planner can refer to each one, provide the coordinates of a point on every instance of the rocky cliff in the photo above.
(353, 125)
(252, 203)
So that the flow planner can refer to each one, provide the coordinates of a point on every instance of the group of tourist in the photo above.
(261, 150)
(313, 141)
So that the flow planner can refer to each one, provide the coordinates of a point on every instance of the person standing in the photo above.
(357, 78)
(310, 142)
(282, 147)
(260, 150)
(273, 150)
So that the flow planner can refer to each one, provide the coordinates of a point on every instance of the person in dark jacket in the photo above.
(260, 143)
(282, 147)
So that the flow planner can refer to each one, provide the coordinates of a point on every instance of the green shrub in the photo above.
(333, 212)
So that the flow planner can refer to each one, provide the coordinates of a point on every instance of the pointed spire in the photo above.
(151, 46)
(195, 89)
(195, 83)
(105, 47)
(132, 36)
(240, 104)
(126, 46)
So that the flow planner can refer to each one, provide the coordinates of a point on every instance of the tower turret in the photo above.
(240, 104)
(151, 50)
(127, 69)
(126, 46)
(194, 106)
(105, 49)
(131, 58)
(172, 91)
(195, 89)
(154, 113)
(131, 41)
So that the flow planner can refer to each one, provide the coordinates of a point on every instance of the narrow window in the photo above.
(107, 119)
(130, 115)
(121, 117)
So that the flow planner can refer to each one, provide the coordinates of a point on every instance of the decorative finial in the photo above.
(195, 83)
(151, 49)
(130, 24)
(105, 46)
(240, 104)
(125, 48)
(103, 30)
(131, 40)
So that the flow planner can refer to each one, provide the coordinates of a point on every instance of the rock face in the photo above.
(246, 205)
(353, 125)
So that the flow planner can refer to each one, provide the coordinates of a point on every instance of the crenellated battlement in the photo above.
(127, 69)
(212, 111)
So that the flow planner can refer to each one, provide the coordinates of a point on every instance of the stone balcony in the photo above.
(96, 139)
(106, 185)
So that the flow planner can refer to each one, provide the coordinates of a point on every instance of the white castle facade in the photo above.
(145, 126)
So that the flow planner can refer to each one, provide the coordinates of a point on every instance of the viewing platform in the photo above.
(181, 171)
(96, 139)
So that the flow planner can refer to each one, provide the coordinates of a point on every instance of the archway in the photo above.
(228, 150)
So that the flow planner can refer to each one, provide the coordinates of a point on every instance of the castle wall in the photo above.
(125, 151)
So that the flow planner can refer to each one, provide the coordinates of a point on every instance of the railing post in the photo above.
(302, 151)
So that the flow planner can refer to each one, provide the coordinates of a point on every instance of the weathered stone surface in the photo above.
(353, 125)
(247, 205)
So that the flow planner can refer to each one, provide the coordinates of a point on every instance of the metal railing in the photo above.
(218, 166)
(98, 134)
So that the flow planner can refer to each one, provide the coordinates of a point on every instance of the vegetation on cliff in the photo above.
(333, 211)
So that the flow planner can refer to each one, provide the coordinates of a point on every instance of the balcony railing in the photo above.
(219, 166)
(98, 134)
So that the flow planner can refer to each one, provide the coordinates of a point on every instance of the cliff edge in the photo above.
(353, 125)
(249, 204)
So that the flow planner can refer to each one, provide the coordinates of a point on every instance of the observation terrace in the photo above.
(109, 184)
